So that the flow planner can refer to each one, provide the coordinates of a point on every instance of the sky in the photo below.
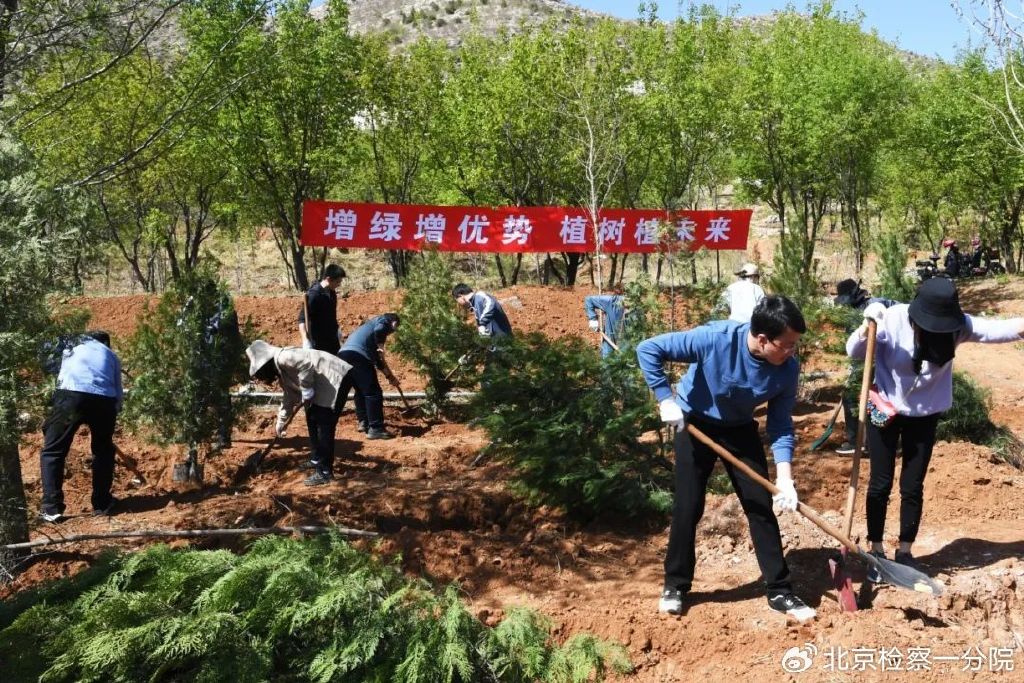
(930, 28)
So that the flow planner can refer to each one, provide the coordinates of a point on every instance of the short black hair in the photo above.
(773, 314)
(391, 317)
(102, 336)
(461, 289)
(332, 271)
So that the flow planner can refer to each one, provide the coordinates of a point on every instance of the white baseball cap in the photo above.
(748, 270)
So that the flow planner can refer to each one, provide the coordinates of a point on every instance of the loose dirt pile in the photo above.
(454, 522)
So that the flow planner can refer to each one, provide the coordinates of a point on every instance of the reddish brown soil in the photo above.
(455, 522)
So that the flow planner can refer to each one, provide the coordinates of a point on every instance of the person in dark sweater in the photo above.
(362, 350)
(491, 320)
(88, 392)
(734, 367)
(321, 332)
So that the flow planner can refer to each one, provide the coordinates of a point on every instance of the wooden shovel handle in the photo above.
(862, 416)
(803, 509)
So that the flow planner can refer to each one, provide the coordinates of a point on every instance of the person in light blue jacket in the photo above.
(614, 309)
(88, 392)
(734, 367)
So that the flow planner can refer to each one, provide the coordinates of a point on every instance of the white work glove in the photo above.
(280, 425)
(306, 344)
(875, 311)
(672, 414)
(307, 394)
(484, 330)
(786, 499)
(464, 359)
(594, 325)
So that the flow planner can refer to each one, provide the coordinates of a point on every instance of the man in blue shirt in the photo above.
(362, 352)
(734, 367)
(88, 392)
(614, 309)
(491, 320)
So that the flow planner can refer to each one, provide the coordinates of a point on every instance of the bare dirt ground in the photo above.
(454, 522)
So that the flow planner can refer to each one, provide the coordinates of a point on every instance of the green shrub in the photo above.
(789, 276)
(183, 360)
(314, 609)
(892, 255)
(703, 303)
(434, 333)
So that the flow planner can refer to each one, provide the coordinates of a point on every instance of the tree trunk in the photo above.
(13, 510)
(514, 280)
(501, 270)
(572, 265)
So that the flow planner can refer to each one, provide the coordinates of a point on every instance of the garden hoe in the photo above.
(837, 564)
(895, 574)
(604, 337)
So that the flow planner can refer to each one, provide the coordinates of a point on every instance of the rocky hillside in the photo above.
(452, 20)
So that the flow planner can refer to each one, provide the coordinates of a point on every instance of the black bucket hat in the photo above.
(936, 308)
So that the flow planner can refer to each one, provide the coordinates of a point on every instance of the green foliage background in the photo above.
(286, 610)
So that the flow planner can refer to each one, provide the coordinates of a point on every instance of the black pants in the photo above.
(694, 463)
(369, 396)
(70, 410)
(918, 437)
(323, 425)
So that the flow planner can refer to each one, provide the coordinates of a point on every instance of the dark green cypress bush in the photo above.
(434, 332)
(184, 358)
(968, 420)
(892, 257)
(570, 423)
(286, 610)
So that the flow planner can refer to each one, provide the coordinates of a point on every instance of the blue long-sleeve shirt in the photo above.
(367, 337)
(614, 317)
(91, 368)
(725, 382)
(490, 314)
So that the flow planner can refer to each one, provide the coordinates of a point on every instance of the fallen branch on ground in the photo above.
(193, 533)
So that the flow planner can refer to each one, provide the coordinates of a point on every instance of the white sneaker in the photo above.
(51, 516)
(671, 601)
(790, 605)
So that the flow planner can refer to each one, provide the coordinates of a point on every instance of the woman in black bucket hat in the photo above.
(914, 351)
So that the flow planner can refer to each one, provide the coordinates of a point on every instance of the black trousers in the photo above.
(69, 411)
(917, 435)
(369, 396)
(323, 425)
(694, 463)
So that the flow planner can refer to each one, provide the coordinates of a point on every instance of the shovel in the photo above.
(190, 470)
(255, 460)
(837, 565)
(895, 574)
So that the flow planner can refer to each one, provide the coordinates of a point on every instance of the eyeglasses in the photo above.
(787, 348)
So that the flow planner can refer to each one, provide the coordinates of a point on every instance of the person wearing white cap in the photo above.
(308, 378)
(742, 295)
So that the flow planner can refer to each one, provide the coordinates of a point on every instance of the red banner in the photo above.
(513, 229)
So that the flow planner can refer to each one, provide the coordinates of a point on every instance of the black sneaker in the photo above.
(106, 511)
(875, 576)
(318, 479)
(907, 560)
(846, 448)
(361, 426)
(379, 434)
(671, 601)
(309, 465)
(792, 606)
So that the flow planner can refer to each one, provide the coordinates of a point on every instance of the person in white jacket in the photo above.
(311, 379)
(742, 295)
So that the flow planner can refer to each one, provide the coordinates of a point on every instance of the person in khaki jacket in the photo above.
(310, 379)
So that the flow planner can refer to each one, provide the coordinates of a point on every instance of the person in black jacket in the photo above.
(953, 260)
(322, 332)
(362, 352)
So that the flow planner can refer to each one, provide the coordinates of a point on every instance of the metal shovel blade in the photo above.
(901, 575)
(180, 472)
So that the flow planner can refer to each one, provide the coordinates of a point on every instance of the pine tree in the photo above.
(184, 358)
(434, 333)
